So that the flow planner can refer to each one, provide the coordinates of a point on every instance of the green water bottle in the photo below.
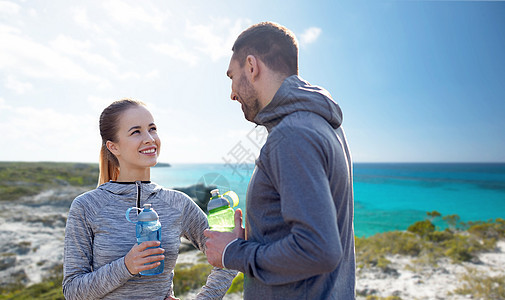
(221, 214)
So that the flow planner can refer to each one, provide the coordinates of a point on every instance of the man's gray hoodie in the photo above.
(299, 209)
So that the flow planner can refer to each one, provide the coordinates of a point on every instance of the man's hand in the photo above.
(140, 255)
(217, 241)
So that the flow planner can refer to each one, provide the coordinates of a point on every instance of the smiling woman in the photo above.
(102, 259)
(135, 145)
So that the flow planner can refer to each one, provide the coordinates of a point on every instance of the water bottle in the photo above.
(221, 214)
(148, 228)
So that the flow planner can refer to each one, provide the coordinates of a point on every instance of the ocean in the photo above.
(387, 196)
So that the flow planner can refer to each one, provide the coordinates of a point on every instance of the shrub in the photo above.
(480, 286)
(187, 278)
(422, 228)
(237, 285)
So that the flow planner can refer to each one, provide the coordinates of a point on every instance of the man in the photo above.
(299, 235)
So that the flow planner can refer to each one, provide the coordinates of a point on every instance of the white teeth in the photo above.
(149, 151)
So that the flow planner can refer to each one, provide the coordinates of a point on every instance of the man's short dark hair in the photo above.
(275, 45)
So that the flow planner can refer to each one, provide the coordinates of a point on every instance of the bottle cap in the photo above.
(147, 214)
(214, 192)
(216, 201)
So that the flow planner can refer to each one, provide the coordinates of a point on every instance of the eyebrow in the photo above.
(138, 127)
(134, 127)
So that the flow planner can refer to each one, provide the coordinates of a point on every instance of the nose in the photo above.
(233, 96)
(149, 139)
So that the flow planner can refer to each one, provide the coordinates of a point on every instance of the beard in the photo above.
(248, 97)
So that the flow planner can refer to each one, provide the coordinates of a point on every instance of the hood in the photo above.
(296, 94)
(129, 189)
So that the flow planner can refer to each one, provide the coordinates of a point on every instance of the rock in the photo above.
(7, 260)
(186, 246)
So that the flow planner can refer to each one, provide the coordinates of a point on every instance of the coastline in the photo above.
(33, 228)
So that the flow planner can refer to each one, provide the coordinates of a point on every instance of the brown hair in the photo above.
(275, 45)
(109, 123)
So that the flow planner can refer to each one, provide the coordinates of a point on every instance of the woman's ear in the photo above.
(113, 148)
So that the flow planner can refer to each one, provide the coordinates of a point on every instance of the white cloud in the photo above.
(177, 51)
(98, 104)
(82, 50)
(20, 54)
(80, 16)
(17, 86)
(215, 39)
(212, 40)
(3, 105)
(310, 35)
(10, 8)
(127, 14)
(49, 133)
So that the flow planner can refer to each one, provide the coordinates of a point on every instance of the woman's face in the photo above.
(138, 144)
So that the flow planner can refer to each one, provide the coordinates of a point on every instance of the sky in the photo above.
(417, 81)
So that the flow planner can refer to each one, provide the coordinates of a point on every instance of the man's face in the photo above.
(243, 91)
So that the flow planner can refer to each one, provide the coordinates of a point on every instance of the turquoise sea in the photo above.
(387, 196)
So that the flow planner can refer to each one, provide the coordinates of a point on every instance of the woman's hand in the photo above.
(139, 255)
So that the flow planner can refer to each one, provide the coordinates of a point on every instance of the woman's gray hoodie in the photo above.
(98, 236)
(299, 209)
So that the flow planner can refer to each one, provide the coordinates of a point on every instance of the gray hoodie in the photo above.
(98, 236)
(299, 223)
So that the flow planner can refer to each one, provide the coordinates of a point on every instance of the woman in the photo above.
(99, 260)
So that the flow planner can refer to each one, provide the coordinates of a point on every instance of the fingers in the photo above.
(148, 244)
(238, 218)
(239, 230)
(139, 255)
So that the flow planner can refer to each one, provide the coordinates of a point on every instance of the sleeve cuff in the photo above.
(124, 270)
(224, 252)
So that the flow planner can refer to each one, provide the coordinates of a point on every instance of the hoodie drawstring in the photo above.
(138, 196)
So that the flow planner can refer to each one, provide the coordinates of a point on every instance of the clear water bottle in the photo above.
(221, 214)
(148, 228)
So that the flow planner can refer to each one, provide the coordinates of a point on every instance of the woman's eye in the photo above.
(135, 132)
(153, 129)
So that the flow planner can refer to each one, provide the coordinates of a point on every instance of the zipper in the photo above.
(137, 183)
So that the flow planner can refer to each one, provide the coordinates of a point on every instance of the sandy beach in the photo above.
(407, 280)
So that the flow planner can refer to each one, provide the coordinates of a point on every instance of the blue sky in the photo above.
(420, 81)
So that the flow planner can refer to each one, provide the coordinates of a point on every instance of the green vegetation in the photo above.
(188, 277)
(426, 244)
(383, 298)
(481, 286)
(237, 285)
(50, 289)
(19, 179)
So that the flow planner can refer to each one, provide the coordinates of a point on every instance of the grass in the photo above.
(49, 289)
(482, 286)
(19, 179)
(188, 277)
(426, 244)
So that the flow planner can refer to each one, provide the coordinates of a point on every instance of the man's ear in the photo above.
(113, 148)
(252, 67)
